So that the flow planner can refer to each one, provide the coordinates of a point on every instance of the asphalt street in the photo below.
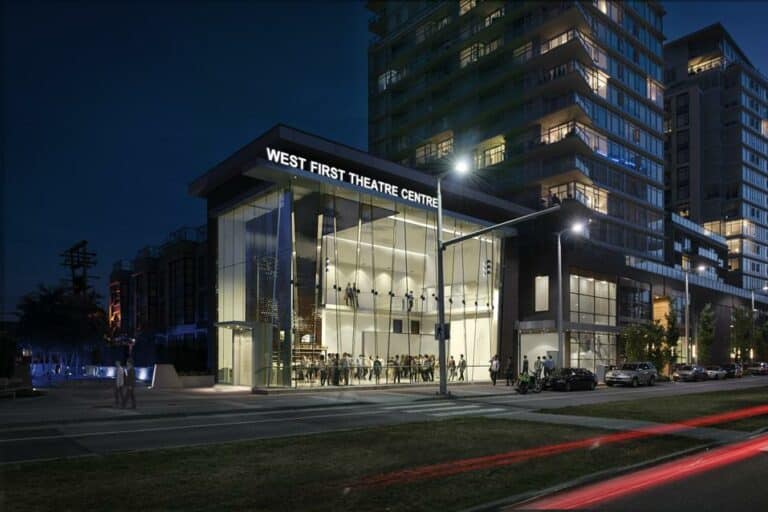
(739, 486)
(83, 422)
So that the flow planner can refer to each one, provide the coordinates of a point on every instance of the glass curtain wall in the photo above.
(348, 283)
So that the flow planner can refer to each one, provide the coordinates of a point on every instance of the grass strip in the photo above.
(679, 408)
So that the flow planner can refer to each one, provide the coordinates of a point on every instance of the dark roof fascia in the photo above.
(716, 29)
(280, 135)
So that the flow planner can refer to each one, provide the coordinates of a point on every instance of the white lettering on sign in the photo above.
(353, 178)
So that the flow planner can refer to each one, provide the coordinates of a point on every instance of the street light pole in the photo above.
(440, 293)
(699, 269)
(687, 316)
(577, 228)
(560, 340)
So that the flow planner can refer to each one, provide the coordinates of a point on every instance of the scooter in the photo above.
(523, 383)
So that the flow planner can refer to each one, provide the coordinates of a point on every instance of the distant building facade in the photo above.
(160, 300)
(717, 146)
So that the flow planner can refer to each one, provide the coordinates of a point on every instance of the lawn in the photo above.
(681, 407)
(318, 472)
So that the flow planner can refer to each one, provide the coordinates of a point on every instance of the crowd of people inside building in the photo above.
(345, 369)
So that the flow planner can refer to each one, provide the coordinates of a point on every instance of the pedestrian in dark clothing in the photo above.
(119, 384)
(525, 365)
(130, 384)
(509, 371)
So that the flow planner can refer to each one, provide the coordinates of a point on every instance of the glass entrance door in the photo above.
(243, 363)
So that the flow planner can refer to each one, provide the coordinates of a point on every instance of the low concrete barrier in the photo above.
(196, 381)
(165, 377)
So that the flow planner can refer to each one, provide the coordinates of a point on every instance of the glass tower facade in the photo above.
(547, 98)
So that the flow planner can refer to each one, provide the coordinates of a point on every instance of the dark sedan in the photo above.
(732, 370)
(573, 378)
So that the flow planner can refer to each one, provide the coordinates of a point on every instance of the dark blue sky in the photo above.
(111, 108)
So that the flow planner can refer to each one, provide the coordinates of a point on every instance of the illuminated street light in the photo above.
(577, 228)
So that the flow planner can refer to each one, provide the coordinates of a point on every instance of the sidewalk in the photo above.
(623, 425)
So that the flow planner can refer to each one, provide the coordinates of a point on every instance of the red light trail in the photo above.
(615, 488)
(513, 457)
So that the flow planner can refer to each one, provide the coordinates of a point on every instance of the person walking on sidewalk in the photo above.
(130, 384)
(509, 371)
(119, 384)
(494, 369)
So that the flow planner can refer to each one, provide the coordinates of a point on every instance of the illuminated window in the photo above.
(473, 53)
(466, 5)
(592, 301)
(388, 78)
(541, 293)
(489, 156)
(589, 195)
(523, 53)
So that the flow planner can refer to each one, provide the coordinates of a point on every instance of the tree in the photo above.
(633, 341)
(7, 354)
(672, 332)
(646, 342)
(58, 321)
(706, 334)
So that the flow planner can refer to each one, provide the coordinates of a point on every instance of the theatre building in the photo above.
(318, 251)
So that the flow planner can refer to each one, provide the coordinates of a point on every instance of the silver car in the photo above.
(633, 374)
(716, 372)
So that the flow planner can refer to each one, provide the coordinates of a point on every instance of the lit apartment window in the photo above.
(472, 53)
(433, 150)
(387, 78)
(523, 53)
(591, 196)
(445, 147)
(700, 67)
(465, 6)
(560, 40)
(655, 93)
(489, 156)
(495, 15)
(541, 293)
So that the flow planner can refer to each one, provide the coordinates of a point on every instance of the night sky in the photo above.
(111, 108)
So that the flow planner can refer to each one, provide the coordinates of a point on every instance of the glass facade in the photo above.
(322, 285)
(591, 350)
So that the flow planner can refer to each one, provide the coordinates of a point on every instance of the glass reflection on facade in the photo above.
(321, 285)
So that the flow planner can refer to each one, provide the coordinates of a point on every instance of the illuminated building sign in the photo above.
(346, 176)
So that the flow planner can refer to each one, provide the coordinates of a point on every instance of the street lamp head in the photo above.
(701, 268)
(461, 166)
(577, 228)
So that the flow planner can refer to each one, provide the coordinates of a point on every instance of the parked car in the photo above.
(633, 374)
(573, 378)
(732, 370)
(690, 372)
(716, 372)
(758, 369)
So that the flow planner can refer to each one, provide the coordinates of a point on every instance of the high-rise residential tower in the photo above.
(717, 146)
(549, 100)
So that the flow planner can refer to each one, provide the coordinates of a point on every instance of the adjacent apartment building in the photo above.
(549, 99)
(716, 145)
(159, 301)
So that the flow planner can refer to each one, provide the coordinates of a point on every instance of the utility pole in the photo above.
(79, 260)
